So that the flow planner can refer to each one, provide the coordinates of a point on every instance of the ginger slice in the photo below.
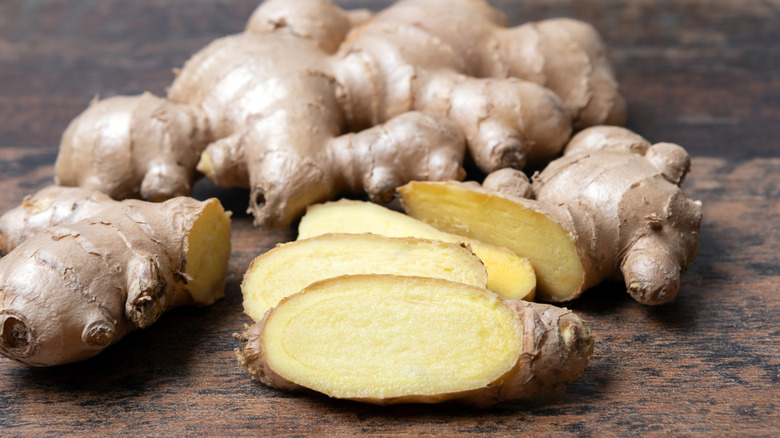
(510, 276)
(290, 267)
(388, 339)
(500, 220)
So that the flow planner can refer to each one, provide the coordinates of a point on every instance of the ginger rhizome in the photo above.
(288, 268)
(311, 101)
(509, 275)
(388, 339)
(610, 208)
(70, 290)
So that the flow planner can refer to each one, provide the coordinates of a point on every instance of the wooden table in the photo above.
(702, 74)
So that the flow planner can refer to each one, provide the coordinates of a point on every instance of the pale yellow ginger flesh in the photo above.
(492, 218)
(381, 339)
(290, 267)
(510, 276)
(387, 339)
(208, 240)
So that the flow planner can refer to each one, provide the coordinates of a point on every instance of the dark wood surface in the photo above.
(704, 74)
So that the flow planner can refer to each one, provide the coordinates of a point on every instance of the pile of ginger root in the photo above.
(310, 103)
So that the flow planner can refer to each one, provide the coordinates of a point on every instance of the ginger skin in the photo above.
(403, 340)
(301, 129)
(610, 208)
(133, 147)
(49, 207)
(71, 290)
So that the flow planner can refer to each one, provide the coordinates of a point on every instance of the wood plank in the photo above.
(703, 74)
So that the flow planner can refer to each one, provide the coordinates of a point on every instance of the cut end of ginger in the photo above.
(513, 223)
(374, 338)
(207, 254)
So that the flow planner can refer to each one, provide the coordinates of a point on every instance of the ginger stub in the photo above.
(290, 267)
(388, 339)
(509, 275)
(72, 289)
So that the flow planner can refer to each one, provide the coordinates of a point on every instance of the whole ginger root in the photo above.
(387, 339)
(610, 208)
(312, 101)
(80, 284)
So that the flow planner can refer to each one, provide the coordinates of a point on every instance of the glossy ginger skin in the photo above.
(299, 129)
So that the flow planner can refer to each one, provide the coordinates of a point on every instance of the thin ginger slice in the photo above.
(290, 267)
(387, 339)
(509, 275)
(493, 218)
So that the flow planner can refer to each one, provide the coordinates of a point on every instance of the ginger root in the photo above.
(71, 290)
(611, 207)
(509, 275)
(388, 339)
(312, 101)
(290, 267)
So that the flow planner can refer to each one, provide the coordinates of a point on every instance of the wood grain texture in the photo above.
(703, 74)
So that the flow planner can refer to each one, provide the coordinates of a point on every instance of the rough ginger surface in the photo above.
(311, 101)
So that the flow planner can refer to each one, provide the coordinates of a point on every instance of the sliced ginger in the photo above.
(393, 339)
(510, 276)
(490, 217)
(290, 267)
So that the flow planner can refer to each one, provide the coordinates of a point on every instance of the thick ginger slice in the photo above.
(509, 275)
(71, 290)
(388, 339)
(611, 207)
(290, 267)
